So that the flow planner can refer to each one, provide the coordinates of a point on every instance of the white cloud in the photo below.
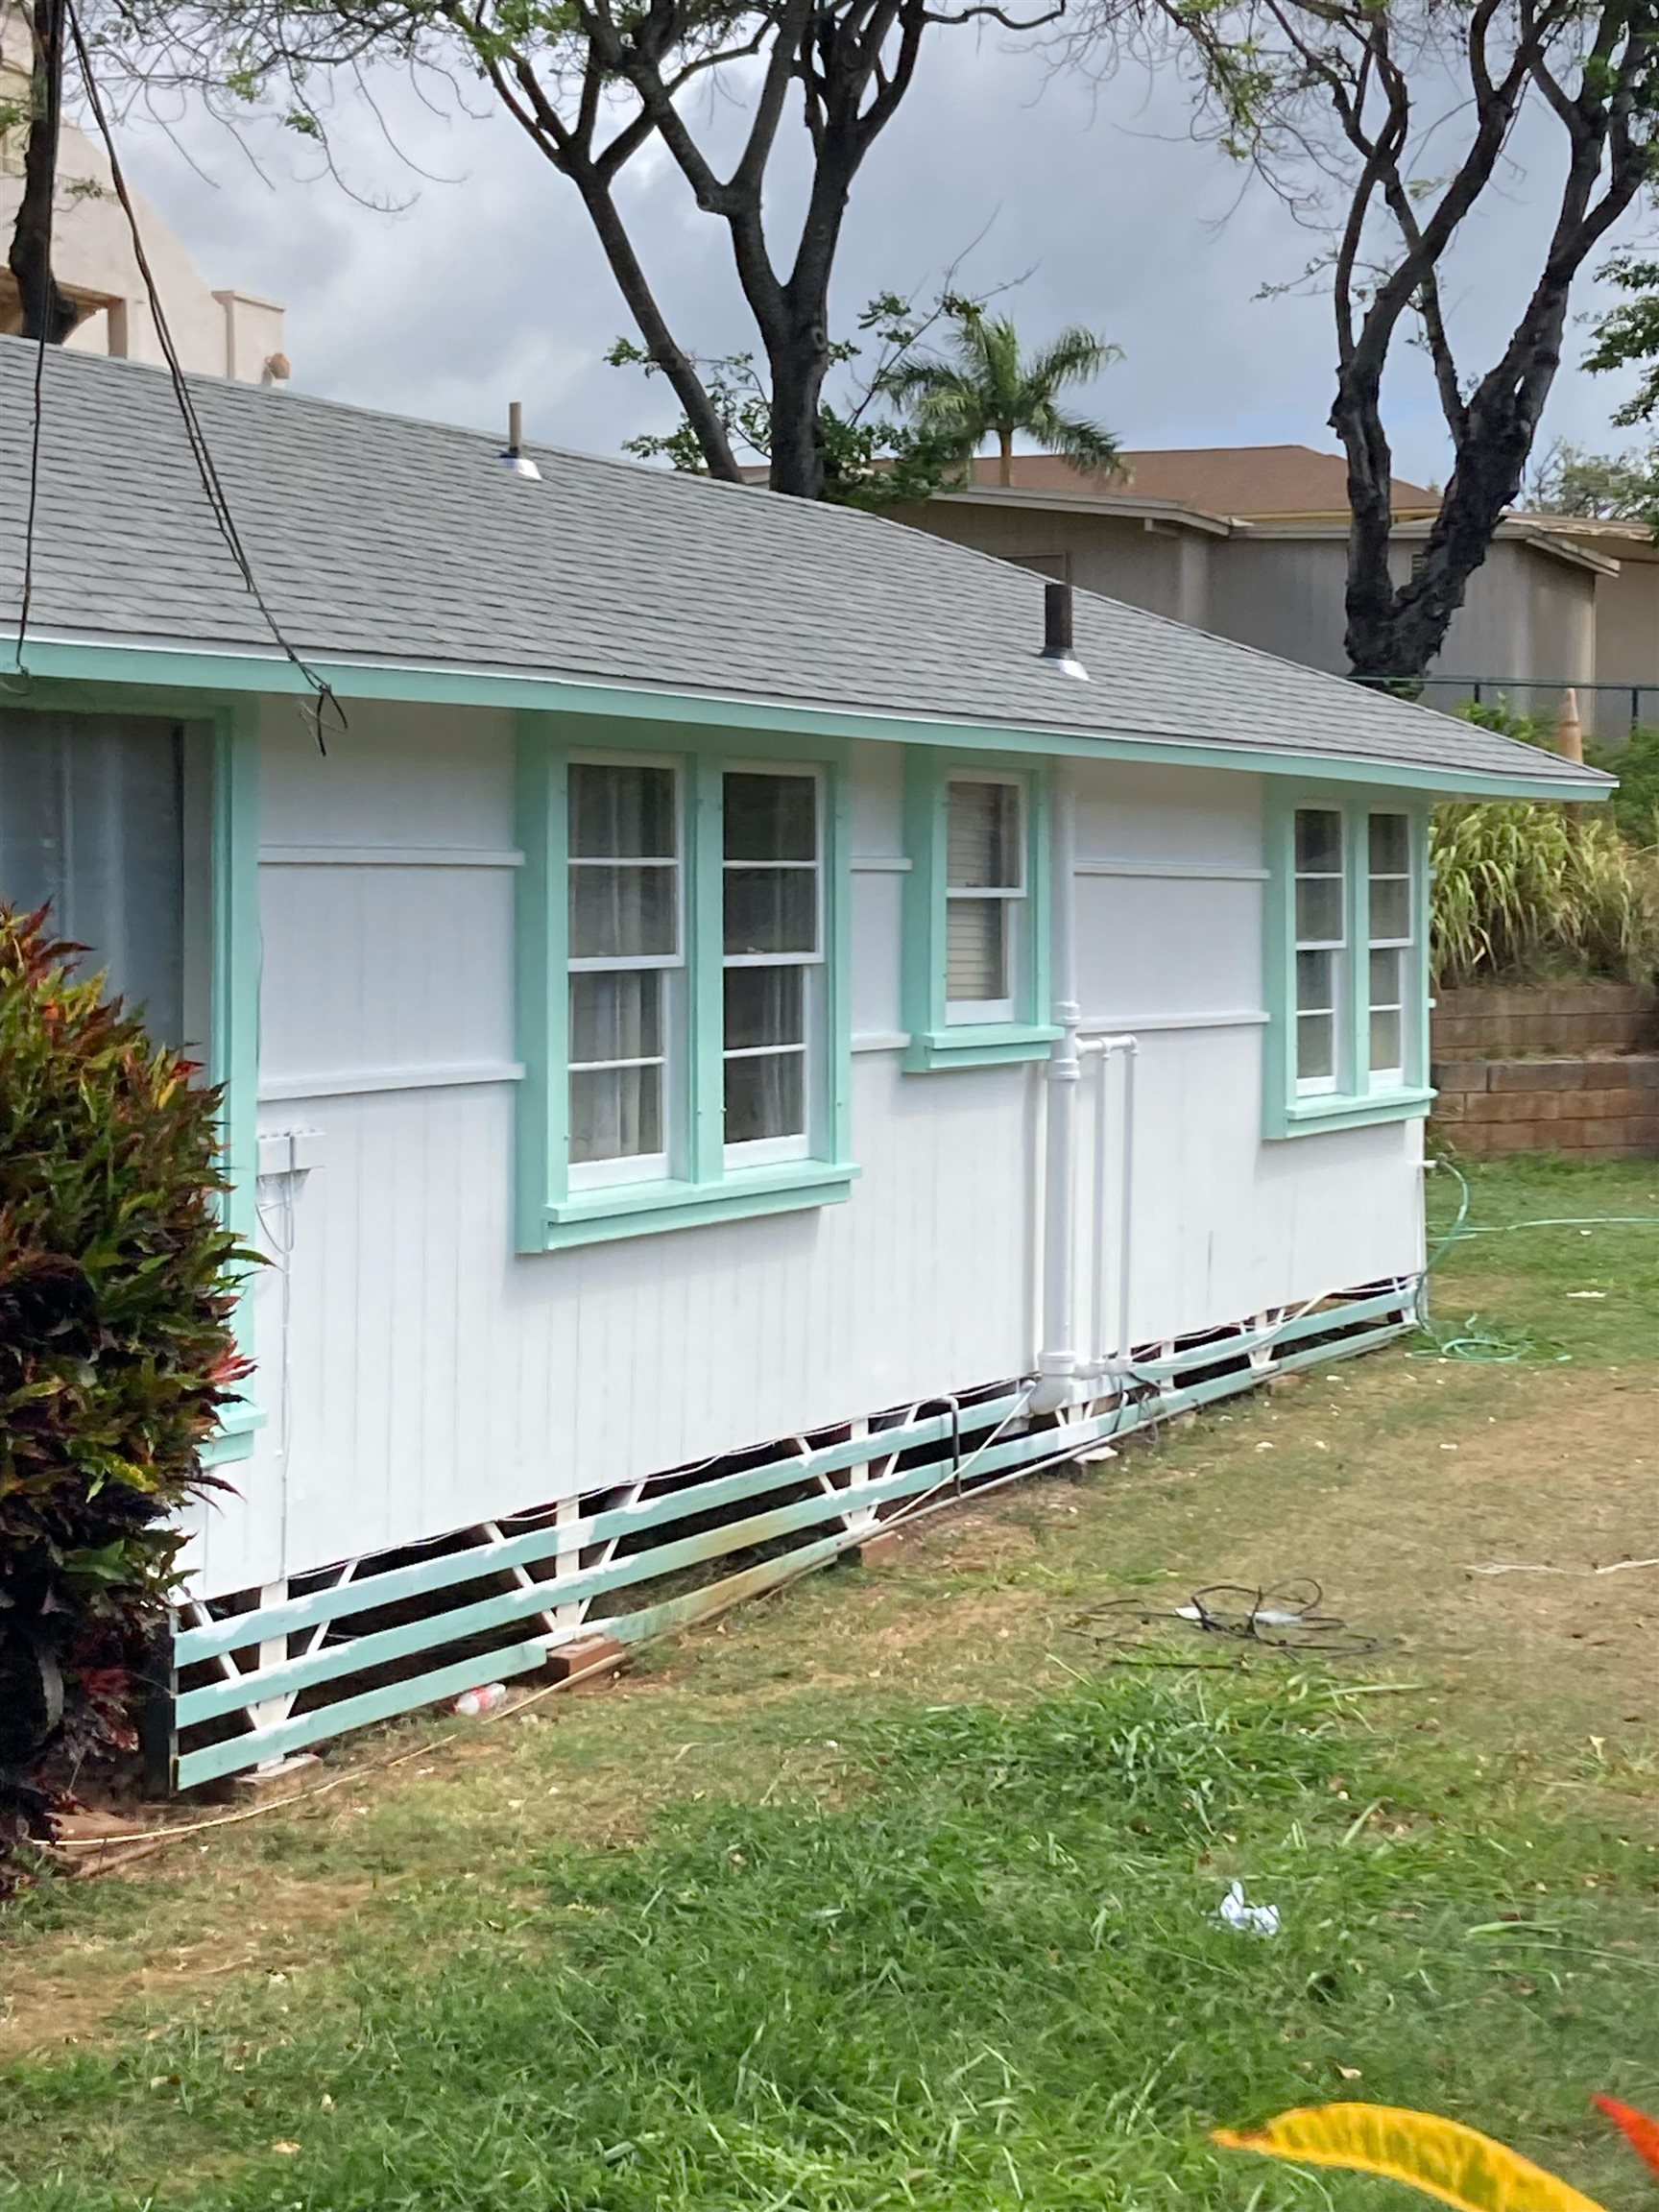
(492, 287)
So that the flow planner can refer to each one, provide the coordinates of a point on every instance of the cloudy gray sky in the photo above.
(485, 285)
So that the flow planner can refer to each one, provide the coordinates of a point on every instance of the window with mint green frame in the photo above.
(221, 932)
(1345, 960)
(1017, 896)
(684, 1172)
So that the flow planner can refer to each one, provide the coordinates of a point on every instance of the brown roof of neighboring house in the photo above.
(1259, 482)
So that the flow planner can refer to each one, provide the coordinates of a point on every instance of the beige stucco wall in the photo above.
(1627, 642)
(223, 333)
(1163, 568)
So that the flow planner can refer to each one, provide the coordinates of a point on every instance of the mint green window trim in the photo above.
(936, 1041)
(1358, 1100)
(233, 1041)
(550, 1215)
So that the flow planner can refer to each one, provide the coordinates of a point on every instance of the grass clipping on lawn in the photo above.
(979, 1966)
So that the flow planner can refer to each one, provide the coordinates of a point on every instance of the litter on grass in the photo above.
(1247, 1918)
(1284, 1615)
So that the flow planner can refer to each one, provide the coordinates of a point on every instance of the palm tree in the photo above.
(984, 388)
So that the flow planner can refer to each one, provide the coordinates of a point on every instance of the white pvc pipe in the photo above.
(1107, 1354)
(1057, 1355)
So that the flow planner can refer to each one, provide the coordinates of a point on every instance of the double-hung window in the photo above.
(1389, 928)
(984, 896)
(1321, 949)
(1348, 965)
(772, 934)
(626, 966)
(683, 989)
(975, 963)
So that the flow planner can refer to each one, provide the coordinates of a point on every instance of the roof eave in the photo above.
(174, 668)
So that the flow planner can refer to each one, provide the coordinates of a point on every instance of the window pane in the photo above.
(1318, 841)
(764, 1006)
(765, 1097)
(615, 1113)
(1386, 979)
(621, 812)
(1315, 1047)
(92, 823)
(1385, 1045)
(616, 1017)
(1390, 907)
(1319, 910)
(983, 836)
(623, 913)
(1315, 982)
(771, 909)
(975, 950)
(771, 817)
(1390, 845)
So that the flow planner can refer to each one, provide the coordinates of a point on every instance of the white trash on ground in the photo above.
(1248, 1919)
(473, 1704)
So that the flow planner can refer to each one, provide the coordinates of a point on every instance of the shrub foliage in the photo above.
(117, 1289)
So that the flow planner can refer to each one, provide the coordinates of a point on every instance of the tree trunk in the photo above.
(48, 312)
(798, 371)
(1006, 458)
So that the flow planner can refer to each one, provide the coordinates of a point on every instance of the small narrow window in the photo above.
(1321, 936)
(984, 897)
(1389, 863)
(772, 985)
(626, 966)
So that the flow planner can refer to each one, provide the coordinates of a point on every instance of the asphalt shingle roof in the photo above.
(377, 536)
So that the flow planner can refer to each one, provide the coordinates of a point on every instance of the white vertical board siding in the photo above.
(1169, 947)
(428, 1377)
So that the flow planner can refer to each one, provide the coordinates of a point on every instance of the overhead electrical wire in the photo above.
(324, 697)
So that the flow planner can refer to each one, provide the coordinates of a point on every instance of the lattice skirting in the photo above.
(257, 1674)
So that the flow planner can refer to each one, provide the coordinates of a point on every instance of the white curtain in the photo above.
(92, 825)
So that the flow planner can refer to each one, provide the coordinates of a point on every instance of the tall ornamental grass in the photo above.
(1527, 892)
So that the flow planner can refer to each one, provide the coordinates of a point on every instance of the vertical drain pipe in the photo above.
(1057, 1359)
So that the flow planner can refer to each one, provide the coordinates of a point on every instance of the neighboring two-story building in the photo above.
(1250, 541)
(216, 333)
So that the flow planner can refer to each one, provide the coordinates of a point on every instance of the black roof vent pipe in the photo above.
(1057, 631)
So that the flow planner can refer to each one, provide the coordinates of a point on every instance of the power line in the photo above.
(212, 485)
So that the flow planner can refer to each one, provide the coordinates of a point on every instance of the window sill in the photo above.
(648, 1209)
(979, 1045)
(1308, 1117)
(234, 1440)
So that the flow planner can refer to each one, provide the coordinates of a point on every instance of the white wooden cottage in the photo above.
(733, 1038)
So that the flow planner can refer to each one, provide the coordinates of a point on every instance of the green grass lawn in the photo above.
(892, 1894)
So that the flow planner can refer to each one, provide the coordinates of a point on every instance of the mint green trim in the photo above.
(936, 1042)
(237, 1424)
(108, 663)
(1354, 1105)
(704, 948)
(988, 1044)
(1310, 1115)
(632, 1208)
(234, 1049)
(548, 1215)
(541, 918)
